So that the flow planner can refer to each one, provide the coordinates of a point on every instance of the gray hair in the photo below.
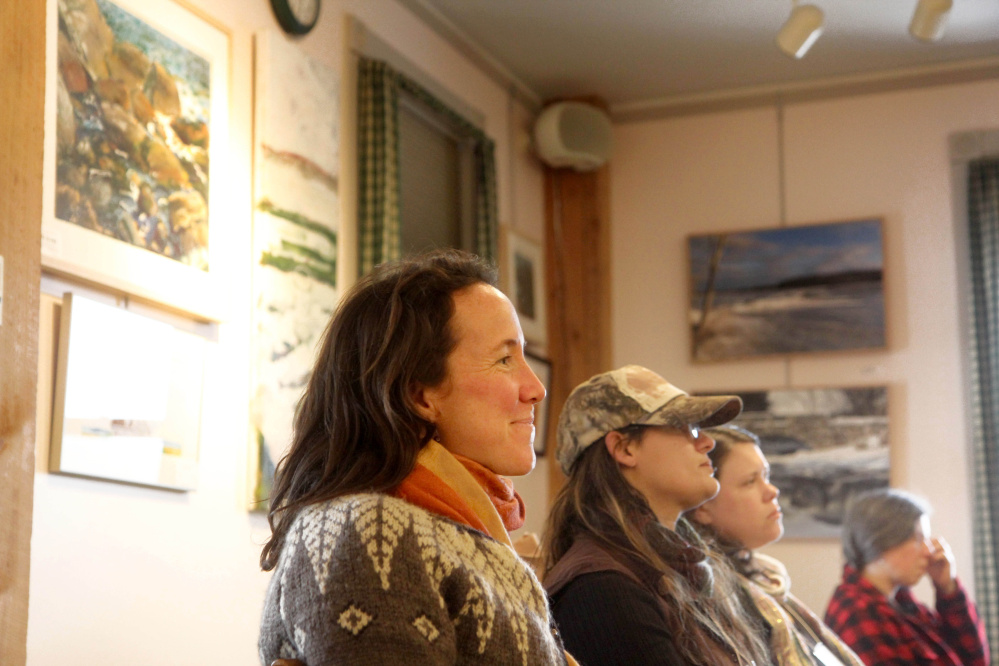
(878, 521)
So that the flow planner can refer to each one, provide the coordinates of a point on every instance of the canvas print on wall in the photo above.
(794, 289)
(824, 446)
(136, 106)
(294, 238)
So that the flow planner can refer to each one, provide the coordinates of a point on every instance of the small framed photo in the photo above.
(121, 413)
(524, 271)
(543, 369)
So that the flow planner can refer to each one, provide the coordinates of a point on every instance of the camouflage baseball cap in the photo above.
(632, 395)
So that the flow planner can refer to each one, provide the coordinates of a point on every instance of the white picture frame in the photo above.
(92, 257)
(121, 413)
(524, 273)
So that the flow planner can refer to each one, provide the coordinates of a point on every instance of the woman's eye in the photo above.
(505, 360)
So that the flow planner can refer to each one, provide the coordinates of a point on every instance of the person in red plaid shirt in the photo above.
(888, 548)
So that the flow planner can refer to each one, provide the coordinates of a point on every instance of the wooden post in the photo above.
(22, 52)
(577, 257)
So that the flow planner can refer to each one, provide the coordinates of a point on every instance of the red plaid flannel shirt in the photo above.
(883, 634)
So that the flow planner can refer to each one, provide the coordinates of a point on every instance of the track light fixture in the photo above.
(930, 19)
(801, 30)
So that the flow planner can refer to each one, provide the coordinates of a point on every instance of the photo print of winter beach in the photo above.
(825, 446)
(788, 290)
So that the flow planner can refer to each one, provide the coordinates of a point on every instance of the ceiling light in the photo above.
(801, 30)
(930, 19)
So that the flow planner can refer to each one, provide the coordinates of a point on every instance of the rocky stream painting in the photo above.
(133, 128)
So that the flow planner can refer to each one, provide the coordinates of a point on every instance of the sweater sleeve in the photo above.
(961, 627)
(607, 619)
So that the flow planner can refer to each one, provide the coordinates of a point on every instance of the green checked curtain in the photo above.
(378, 164)
(983, 228)
(379, 215)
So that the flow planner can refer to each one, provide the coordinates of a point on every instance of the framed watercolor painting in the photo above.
(136, 133)
(824, 447)
(543, 369)
(524, 271)
(119, 412)
(794, 289)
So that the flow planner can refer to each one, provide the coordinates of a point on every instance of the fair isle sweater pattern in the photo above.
(371, 579)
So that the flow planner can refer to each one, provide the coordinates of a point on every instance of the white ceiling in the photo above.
(648, 57)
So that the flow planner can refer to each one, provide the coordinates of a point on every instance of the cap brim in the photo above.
(703, 411)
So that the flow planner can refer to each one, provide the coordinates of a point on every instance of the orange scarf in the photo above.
(476, 500)
(466, 492)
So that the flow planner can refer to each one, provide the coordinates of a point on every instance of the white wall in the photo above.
(880, 155)
(150, 577)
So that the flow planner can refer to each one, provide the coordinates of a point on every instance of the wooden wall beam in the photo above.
(22, 73)
(577, 260)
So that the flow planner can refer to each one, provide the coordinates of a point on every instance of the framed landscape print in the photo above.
(136, 134)
(524, 271)
(789, 290)
(824, 447)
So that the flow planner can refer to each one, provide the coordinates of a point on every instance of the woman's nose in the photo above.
(532, 390)
(773, 492)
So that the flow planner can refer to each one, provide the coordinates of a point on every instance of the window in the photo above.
(436, 179)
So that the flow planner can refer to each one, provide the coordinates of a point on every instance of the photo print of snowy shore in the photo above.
(295, 232)
(788, 290)
(824, 447)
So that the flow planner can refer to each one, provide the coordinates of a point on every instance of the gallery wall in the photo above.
(883, 155)
(154, 577)
(123, 573)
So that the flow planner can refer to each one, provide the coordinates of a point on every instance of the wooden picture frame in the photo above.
(800, 289)
(524, 271)
(137, 104)
(121, 413)
(543, 369)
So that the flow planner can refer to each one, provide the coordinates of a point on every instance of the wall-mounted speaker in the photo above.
(573, 134)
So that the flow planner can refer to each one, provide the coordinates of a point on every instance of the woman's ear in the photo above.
(425, 402)
(621, 448)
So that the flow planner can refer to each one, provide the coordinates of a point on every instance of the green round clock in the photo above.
(297, 17)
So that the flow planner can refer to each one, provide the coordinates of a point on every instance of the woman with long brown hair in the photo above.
(630, 581)
(391, 511)
(746, 515)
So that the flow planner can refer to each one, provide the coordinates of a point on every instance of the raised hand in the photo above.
(941, 569)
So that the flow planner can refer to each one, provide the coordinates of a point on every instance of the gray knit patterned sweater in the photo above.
(371, 579)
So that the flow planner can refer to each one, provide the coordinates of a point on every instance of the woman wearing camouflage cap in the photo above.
(630, 581)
